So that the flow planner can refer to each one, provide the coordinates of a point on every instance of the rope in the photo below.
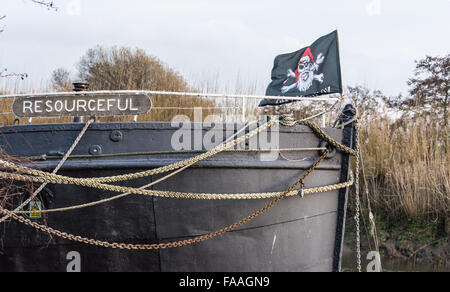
(52, 178)
(139, 191)
(249, 196)
(92, 181)
(96, 182)
(44, 177)
(45, 157)
(197, 239)
(185, 195)
(289, 121)
(292, 160)
(60, 164)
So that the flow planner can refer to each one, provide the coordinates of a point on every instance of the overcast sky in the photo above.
(228, 40)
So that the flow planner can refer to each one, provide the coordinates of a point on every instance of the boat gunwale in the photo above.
(107, 126)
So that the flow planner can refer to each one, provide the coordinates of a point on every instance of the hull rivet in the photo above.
(95, 150)
(116, 136)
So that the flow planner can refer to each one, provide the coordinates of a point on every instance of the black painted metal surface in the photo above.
(299, 234)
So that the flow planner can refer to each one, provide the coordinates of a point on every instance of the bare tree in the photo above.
(431, 82)
(124, 68)
(429, 90)
(368, 102)
(121, 68)
(61, 80)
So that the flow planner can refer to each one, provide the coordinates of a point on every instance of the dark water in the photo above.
(389, 265)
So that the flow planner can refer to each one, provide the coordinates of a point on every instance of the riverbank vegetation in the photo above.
(406, 150)
(406, 164)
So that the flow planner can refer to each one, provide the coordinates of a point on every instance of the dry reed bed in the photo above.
(406, 167)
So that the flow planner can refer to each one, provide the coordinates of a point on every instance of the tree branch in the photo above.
(48, 4)
(4, 74)
(1, 18)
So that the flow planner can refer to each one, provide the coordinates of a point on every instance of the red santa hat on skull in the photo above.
(307, 53)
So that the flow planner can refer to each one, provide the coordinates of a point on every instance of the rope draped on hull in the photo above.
(22, 173)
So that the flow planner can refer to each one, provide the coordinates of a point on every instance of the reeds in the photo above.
(406, 167)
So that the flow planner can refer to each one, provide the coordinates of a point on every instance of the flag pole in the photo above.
(340, 71)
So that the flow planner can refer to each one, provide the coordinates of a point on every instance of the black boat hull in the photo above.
(298, 234)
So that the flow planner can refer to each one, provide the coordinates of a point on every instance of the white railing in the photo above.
(243, 97)
(181, 94)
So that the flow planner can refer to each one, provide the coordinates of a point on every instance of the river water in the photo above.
(389, 265)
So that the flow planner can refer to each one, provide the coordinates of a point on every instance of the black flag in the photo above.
(311, 71)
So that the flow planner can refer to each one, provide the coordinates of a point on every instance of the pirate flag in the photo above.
(311, 71)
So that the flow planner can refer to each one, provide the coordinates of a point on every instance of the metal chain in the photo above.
(357, 199)
(170, 244)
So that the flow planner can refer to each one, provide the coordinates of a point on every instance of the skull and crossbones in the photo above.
(305, 73)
